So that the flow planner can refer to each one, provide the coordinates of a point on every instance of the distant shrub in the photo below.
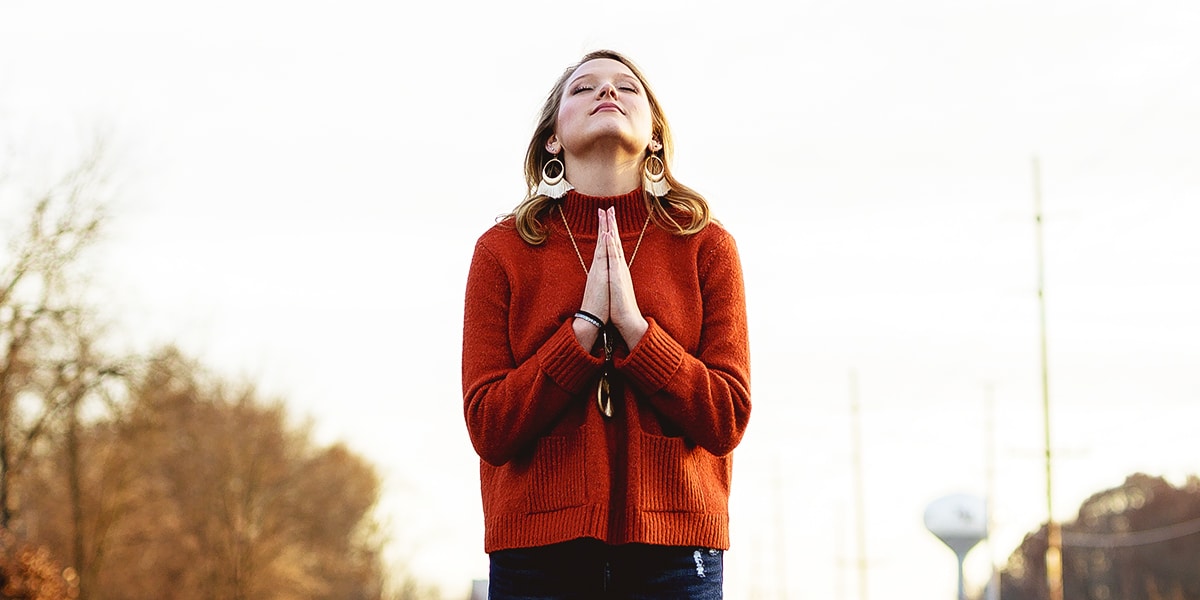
(28, 572)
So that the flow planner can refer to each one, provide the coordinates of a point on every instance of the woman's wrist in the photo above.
(585, 333)
(633, 332)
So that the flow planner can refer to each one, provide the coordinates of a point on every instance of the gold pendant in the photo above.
(603, 399)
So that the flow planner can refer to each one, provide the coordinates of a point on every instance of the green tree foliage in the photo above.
(1139, 541)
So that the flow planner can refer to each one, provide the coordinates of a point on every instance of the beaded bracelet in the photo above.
(590, 318)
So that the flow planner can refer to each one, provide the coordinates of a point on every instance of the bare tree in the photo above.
(198, 489)
(89, 376)
(153, 478)
(39, 309)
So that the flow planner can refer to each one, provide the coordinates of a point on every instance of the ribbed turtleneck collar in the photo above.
(580, 211)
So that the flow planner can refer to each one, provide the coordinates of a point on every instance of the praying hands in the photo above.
(608, 294)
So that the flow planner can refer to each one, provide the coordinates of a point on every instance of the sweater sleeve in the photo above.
(508, 405)
(708, 394)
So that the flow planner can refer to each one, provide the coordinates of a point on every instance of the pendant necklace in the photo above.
(603, 396)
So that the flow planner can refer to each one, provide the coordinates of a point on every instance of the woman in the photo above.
(604, 395)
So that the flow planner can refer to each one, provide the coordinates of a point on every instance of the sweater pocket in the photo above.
(558, 473)
(669, 481)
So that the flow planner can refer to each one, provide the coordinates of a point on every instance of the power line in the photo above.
(1131, 538)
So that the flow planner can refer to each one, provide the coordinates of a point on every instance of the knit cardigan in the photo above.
(553, 468)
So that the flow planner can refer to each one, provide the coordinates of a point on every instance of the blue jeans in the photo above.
(587, 569)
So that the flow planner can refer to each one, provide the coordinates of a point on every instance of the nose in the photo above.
(606, 89)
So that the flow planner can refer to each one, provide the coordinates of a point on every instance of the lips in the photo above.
(607, 106)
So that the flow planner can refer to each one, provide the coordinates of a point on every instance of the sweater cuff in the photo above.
(565, 362)
(654, 360)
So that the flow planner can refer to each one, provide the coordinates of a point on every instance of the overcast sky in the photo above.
(303, 183)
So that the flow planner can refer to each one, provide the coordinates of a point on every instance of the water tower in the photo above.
(960, 521)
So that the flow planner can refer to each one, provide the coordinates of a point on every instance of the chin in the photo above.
(621, 140)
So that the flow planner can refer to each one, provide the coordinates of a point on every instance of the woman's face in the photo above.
(604, 104)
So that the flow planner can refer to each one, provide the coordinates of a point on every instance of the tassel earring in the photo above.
(554, 186)
(655, 182)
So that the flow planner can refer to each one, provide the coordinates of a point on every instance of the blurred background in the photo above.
(285, 197)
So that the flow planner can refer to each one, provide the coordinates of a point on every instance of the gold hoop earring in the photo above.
(655, 182)
(554, 186)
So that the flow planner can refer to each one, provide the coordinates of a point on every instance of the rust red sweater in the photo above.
(553, 467)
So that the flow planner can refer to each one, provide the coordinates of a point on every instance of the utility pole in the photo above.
(860, 511)
(1054, 575)
(989, 452)
(839, 550)
(781, 570)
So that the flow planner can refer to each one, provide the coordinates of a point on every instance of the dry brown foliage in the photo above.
(29, 572)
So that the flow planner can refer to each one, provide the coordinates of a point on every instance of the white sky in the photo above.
(304, 182)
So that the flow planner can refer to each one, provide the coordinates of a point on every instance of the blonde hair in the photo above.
(681, 201)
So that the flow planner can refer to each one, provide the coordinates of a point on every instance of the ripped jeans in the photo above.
(587, 569)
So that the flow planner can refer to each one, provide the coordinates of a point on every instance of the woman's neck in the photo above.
(603, 176)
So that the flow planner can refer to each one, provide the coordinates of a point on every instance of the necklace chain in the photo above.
(632, 257)
(603, 390)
